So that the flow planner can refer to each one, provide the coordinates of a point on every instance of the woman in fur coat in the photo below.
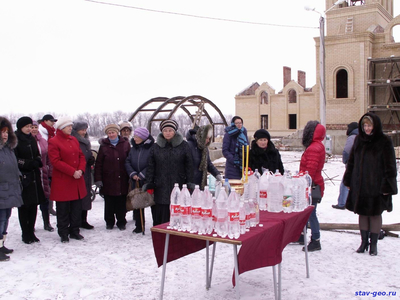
(313, 160)
(10, 191)
(371, 178)
(29, 163)
(263, 153)
(170, 162)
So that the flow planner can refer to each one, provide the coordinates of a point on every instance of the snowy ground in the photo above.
(121, 265)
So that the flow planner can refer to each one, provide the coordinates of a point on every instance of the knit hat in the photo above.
(48, 118)
(262, 133)
(35, 123)
(351, 127)
(141, 132)
(111, 127)
(23, 121)
(63, 122)
(169, 123)
(79, 125)
(125, 124)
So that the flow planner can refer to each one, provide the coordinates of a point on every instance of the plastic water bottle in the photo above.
(304, 198)
(211, 183)
(287, 198)
(175, 209)
(257, 200)
(207, 225)
(308, 192)
(233, 215)
(275, 193)
(252, 213)
(214, 213)
(185, 202)
(242, 217)
(263, 190)
(221, 224)
(247, 210)
(196, 209)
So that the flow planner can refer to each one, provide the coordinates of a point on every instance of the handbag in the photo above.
(316, 193)
(137, 198)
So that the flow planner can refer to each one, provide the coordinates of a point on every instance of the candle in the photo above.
(247, 161)
(242, 162)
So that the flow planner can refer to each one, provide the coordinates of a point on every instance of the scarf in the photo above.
(50, 130)
(240, 141)
(114, 142)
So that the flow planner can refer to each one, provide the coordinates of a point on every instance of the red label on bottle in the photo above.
(186, 210)
(252, 215)
(263, 194)
(242, 222)
(196, 211)
(233, 216)
(248, 217)
(205, 212)
(175, 209)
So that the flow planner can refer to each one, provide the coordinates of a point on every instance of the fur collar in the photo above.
(12, 141)
(175, 141)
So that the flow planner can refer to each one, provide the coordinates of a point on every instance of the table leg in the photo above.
(279, 282)
(235, 258)
(207, 265)
(164, 265)
(306, 251)
(212, 262)
(275, 284)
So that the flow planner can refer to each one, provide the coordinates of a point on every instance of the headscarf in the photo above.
(240, 141)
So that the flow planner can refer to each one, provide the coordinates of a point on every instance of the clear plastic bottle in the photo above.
(263, 189)
(207, 225)
(233, 215)
(257, 200)
(247, 210)
(252, 212)
(221, 224)
(175, 209)
(275, 193)
(287, 198)
(185, 202)
(196, 209)
(242, 216)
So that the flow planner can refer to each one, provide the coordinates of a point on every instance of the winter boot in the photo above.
(51, 209)
(314, 245)
(84, 223)
(46, 222)
(364, 241)
(373, 248)
(3, 249)
(4, 257)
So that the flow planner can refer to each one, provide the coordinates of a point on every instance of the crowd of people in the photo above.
(51, 160)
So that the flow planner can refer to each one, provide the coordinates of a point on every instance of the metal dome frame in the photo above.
(180, 103)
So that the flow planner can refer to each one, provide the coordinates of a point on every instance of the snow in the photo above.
(121, 265)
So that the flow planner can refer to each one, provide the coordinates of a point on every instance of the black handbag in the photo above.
(316, 193)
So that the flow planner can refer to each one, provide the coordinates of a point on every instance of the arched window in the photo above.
(264, 97)
(292, 95)
(342, 84)
(396, 33)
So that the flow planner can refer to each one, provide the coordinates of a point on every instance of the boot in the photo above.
(373, 248)
(51, 209)
(3, 249)
(84, 223)
(46, 222)
(364, 241)
(4, 257)
(314, 245)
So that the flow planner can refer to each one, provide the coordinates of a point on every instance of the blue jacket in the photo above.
(228, 150)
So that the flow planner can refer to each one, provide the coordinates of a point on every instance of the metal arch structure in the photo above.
(183, 103)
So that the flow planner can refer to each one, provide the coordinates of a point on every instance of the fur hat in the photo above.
(262, 133)
(141, 132)
(79, 125)
(169, 123)
(112, 127)
(63, 122)
(12, 138)
(125, 124)
(23, 121)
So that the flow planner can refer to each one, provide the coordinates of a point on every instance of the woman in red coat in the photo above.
(68, 185)
(313, 160)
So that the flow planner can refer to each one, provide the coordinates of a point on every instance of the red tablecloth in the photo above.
(261, 247)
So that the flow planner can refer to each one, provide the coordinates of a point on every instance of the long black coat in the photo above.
(268, 159)
(371, 172)
(27, 152)
(169, 163)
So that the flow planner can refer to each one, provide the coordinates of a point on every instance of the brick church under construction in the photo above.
(362, 73)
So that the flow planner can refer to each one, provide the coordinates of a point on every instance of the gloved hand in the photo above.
(191, 186)
(37, 163)
(99, 184)
(219, 177)
(90, 161)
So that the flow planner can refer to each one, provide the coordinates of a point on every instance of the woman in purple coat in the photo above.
(234, 139)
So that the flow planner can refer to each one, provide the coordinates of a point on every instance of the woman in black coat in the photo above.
(371, 178)
(170, 162)
(136, 166)
(29, 163)
(263, 153)
(79, 131)
(199, 139)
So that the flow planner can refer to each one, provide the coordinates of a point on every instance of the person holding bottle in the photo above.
(170, 162)
(29, 163)
(10, 192)
(313, 160)
(371, 179)
(263, 153)
(199, 139)
(234, 139)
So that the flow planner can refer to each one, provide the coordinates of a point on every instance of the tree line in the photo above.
(98, 121)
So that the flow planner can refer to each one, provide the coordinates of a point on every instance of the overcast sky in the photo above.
(74, 56)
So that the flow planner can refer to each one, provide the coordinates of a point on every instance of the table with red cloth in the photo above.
(261, 247)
